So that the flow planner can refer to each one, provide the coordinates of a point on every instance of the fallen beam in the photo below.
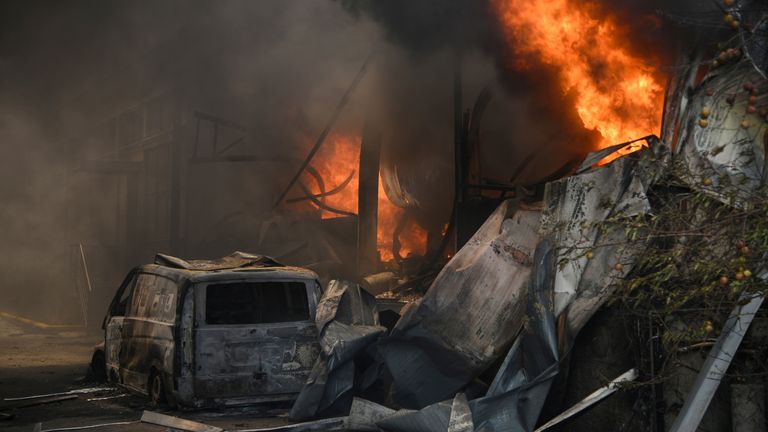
(718, 360)
(591, 400)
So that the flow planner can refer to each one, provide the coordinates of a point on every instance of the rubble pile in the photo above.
(678, 225)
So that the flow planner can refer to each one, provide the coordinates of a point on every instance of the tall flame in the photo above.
(615, 92)
(335, 162)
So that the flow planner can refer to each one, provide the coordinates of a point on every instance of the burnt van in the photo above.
(234, 331)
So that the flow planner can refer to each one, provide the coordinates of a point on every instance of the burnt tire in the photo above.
(156, 388)
(98, 367)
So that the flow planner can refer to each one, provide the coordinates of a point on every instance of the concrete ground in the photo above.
(50, 360)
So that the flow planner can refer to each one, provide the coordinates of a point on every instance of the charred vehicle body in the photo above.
(233, 331)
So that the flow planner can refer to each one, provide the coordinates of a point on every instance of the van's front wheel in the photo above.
(156, 388)
(98, 369)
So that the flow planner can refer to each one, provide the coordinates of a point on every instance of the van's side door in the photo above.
(113, 324)
(148, 330)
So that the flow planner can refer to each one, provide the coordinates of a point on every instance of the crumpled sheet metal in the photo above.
(461, 415)
(469, 316)
(519, 390)
(364, 414)
(574, 206)
(395, 191)
(347, 323)
(574, 209)
(433, 418)
(725, 153)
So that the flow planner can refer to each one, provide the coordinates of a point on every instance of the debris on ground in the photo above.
(176, 423)
(69, 392)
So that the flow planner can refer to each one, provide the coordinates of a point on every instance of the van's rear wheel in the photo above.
(156, 388)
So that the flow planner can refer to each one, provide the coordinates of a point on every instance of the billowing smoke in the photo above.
(527, 100)
(67, 68)
(278, 67)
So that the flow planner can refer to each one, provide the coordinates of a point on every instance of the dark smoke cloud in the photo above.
(277, 66)
(428, 25)
(528, 113)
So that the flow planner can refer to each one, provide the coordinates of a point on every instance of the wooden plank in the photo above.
(37, 401)
(156, 418)
(329, 424)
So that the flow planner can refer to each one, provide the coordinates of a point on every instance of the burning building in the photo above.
(511, 172)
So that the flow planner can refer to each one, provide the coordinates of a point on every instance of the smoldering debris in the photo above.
(579, 257)
(491, 337)
(347, 323)
(471, 313)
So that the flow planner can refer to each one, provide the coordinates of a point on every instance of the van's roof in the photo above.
(237, 266)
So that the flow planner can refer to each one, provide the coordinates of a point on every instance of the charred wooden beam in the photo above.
(368, 201)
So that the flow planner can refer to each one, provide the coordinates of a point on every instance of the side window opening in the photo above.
(155, 298)
(121, 304)
(256, 302)
(141, 293)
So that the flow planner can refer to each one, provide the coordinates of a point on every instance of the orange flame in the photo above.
(336, 160)
(615, 92)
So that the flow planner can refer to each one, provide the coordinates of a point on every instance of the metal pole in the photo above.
(458, 155)
(718, 360)
(80, 294)
(85, 268)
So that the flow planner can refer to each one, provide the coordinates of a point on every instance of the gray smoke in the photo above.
(277, 66)
(65, 67)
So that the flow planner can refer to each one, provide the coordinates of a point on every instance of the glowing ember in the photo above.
(615, 92)
(335, 161)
